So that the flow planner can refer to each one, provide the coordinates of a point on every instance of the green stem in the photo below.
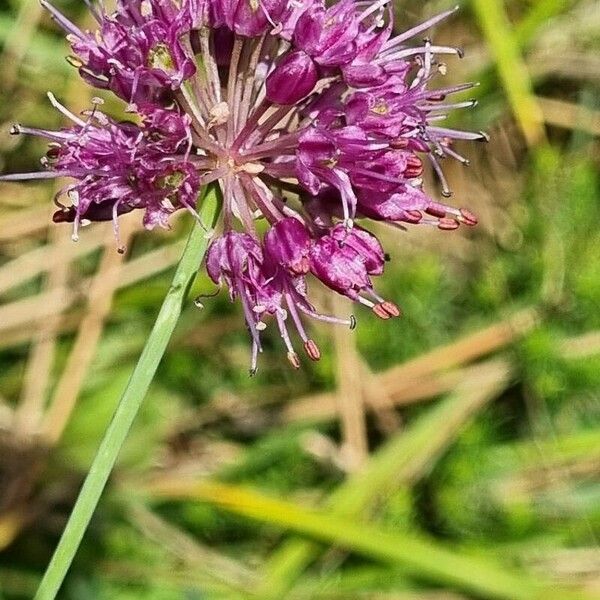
(131, 399)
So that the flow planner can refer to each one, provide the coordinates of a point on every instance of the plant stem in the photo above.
(132, 398)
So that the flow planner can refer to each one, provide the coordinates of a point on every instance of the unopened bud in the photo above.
(293, 79)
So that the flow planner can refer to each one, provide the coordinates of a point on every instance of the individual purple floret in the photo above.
(310, 116)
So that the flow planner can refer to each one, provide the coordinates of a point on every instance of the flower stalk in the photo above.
(131, 400)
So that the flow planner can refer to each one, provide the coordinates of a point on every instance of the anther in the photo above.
(412, 216)
(436, 97)
(312, 350)
(121, 249)
(387, 257)
(448, 224)
(198, 302)
(390, 308)
(436, 210)
(468, 217)
(484, 137)
(352, 322)
(15, 129)
(460, 53)
(252, 372)
(293, 359)
(381, 312)
(74, 61)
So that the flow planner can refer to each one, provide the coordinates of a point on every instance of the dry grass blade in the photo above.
(28, 415)
(189, 551)
(423, 376)
(17, 42)
(33, 263)
(19, 320)
(421, 557)
(497, 30)
(570, 115)
(403, 459)
(23, 223)
(102, 289)
(349, 395)
(34, 309)
(581, 346)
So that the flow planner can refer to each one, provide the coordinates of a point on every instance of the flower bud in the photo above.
(288, 244)
(293, 78)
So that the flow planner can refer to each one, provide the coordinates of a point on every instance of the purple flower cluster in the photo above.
(309, 116)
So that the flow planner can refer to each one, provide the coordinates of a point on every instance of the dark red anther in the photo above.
(448, 224)
(414, 167)
(436, 210)
(312, 350)
(64, 215)
(436, 97)
(413, 172)
(412, 216)
(468, 217)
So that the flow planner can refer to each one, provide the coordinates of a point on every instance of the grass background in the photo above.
(451, 454)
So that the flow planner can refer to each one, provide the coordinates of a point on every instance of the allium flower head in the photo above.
(309, 116)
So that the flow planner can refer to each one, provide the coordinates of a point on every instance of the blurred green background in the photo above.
(451, 454)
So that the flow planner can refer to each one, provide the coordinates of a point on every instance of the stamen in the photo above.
(446, 191)
(400, 54)
(75, 234)
(231, 86)
(312, 350)
(121, 248)
(385, 310)
(410, 33)
(67, 25)
(458, 135)
(293, 359)
(468, 217)
(64, 110)
(373, 8)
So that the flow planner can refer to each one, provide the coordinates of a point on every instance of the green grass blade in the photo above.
(131, 400)
(404, 458)
(504, 46)
(421, 557)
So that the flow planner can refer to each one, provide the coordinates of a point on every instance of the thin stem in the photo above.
(132, 398)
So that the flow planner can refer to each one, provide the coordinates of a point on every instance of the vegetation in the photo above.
(450, 454)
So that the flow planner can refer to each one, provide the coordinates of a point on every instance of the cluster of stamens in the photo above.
(312, 118)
